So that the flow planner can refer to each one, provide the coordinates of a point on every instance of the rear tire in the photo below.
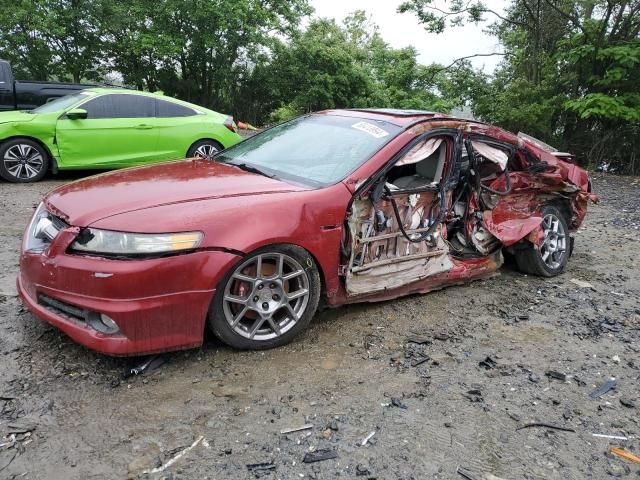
(205, 149)
(267, 299)
(551, 257)
(23, 161)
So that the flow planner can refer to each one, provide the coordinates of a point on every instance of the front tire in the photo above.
(23, 161)
(551, 257)
(204, 149)
(267, 299)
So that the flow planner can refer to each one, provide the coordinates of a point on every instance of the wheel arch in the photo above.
(53, 164)
(564, 205)
(244, 254)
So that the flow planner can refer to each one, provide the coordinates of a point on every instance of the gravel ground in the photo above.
(442, 380)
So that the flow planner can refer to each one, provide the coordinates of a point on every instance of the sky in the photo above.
(401, 30)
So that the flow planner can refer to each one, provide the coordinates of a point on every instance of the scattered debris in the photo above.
(308, 426)
(581, 283)
(475, 395)
(545, 425)
(20, 426)
(149, 364)
(397, 402)
(621, 452)
(320, 455)
(367, 438)
(627, 402)
(488, 363)
(177, 457)
(611, 437)
(616, 358)
(258, 469)
(604, 388)
(419, 361)
(563, 377)
(466, 473)
(419, 339)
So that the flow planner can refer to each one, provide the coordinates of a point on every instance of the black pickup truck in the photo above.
(28, 94)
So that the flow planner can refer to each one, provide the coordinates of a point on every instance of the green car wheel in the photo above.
(23, 160)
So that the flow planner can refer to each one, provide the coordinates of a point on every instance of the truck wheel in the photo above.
(551, 257)
(22, 161)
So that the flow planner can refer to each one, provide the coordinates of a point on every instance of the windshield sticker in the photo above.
(371, 129)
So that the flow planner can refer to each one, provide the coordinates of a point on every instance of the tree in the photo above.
(571, 73)
(45, 38)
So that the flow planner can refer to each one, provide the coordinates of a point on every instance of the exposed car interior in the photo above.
(421, 168)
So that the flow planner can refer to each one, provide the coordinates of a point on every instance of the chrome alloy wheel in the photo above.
(266, 296)
(554, 247)
(23, 161)
(206, 151)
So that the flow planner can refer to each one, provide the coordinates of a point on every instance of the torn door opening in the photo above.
(381, 257)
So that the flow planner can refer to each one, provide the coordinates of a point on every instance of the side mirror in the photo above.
(77, 114)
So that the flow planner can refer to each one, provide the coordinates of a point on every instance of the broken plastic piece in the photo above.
(611, 437)
(296, 429)
(148, 365)
(557, 375)
(257, 467)
(604, 388)
(319, 455)
(397, 402)
(367, 438)
(488, 363)
(621, 452)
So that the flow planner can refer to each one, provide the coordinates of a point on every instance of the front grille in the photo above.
(63, 309)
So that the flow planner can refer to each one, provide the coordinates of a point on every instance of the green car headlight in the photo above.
(108, 242)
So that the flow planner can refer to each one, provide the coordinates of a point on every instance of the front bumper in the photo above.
(159, 304)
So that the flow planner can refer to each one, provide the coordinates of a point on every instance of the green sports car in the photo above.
(102, 128)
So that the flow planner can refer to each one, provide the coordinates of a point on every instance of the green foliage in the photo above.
(571, 74)
(46, 39)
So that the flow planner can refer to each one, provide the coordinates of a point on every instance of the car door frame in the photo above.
(450, 178)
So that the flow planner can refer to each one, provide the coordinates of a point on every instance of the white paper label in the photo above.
(371, 129)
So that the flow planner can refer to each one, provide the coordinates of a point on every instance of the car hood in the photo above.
(86, 201)
(16, 116)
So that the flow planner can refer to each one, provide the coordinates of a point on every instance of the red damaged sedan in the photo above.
(336, 207)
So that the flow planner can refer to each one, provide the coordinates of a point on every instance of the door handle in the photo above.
(144, 126)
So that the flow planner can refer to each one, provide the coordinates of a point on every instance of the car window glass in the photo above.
(61, 103)
(169, 109)
(316, 149)
(119, 106)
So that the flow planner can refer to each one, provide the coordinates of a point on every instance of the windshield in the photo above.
(316, 150)
(61, 103)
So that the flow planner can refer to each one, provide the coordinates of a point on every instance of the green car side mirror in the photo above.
(76, 114)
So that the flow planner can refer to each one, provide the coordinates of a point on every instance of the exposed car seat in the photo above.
(428, 172)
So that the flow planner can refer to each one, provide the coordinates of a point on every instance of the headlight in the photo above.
(93, 240)
(41, 230)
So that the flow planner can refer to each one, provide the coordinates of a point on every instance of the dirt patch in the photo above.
(441, 380)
